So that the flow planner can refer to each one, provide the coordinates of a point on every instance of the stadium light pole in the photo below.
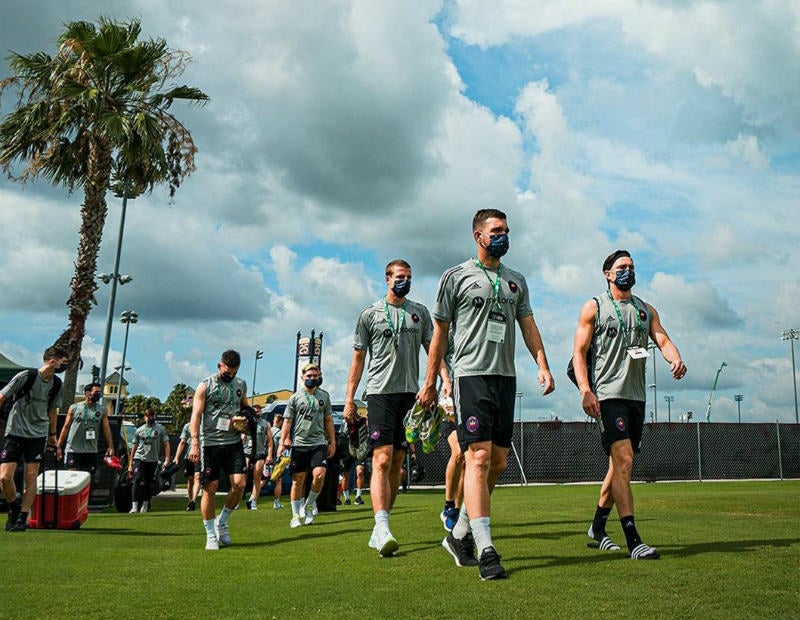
(127, 317)
(114, 277)
(713, 389)
(738, 398)
(792, 335)
(259, 355)
(670, 399)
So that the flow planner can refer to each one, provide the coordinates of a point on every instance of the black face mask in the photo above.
(310, 383)
(149, 421)
(401, 288)
(625, 279)
(60, 369)
(319, 381)
(226, 377)
(95, 397)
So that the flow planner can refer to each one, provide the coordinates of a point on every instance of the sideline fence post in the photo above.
(699, 457)
(780, 460)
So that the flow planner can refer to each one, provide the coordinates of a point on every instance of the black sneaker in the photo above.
(190, 506)
(359, 501)
(14, 509)
(490, 565)
(19, 526)
(462, 549)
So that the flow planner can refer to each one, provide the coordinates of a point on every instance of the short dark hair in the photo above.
(397, 262)
(149, 411)
(90, 386)
(231, 358)
(54, 352)
(612, 258)
(485, 214)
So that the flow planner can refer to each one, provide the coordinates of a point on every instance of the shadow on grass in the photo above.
(728, 546)
(124, 531)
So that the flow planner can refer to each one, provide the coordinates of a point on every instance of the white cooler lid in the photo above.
(69, 482)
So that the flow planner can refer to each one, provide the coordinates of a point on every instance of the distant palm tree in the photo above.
(96, 116)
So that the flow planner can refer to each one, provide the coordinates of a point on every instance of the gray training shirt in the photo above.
(149, 442)
(85, 426)
(29, 417)
(615, 374)
(307, 413)
(223, 401)
(393, 348)
(186, 435)
(465, 299)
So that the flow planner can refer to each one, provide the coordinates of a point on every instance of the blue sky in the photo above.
(342, 137)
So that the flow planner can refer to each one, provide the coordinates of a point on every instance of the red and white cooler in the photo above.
(62, 500)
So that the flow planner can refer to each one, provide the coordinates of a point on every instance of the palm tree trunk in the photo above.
(83, 285)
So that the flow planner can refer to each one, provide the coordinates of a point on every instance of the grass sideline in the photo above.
(730, 550)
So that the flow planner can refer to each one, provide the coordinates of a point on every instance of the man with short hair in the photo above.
(79, 433)
(190, 470)
(613, 331)
(483, 298)
(392, 330)
(31, 428)
(261, 456)
(307, 423)
(150, 445)
(215, 430)
(275, 432)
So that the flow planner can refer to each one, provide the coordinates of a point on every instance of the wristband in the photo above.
(52, 434)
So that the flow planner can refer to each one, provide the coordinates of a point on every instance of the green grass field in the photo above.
(729, 550)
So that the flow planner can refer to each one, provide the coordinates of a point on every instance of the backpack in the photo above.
(25, 392)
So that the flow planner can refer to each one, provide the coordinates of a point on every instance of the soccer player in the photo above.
(150, 445)
(262, 455)
(483, 298)
(79, 432)
(190, 470)
(275, 431)
(392, 330)
(217, 444)
(307, 422)
(31, 428)
(612, 336)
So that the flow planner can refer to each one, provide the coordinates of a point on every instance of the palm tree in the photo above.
(97, 116)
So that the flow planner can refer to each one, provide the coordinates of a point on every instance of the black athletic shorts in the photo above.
(448, 426)
(189, 468)
(84, 461)
(385, 418)
(308, 459)
(228, 458)
(349, 461)
(622, 419)
(29, 449)
(485, 406)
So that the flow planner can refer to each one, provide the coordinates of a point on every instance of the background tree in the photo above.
(93, 116)
(178, 404)
(135, 405)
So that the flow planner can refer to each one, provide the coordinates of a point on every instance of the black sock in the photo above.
(599, 521)
(448, 504)
(631, 535)
(23, 516)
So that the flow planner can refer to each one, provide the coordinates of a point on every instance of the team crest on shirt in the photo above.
(512, 286)
(620, 424)
(612, 332)
(207, 473)
(321, 403)
(387, 333)
(643, 315)
(374, 435)
(472, 424)
(415, 317)
(3, 454)
(239, 393)
(477, 303)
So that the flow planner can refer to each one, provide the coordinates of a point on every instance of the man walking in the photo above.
(612, 336)
(483, 298)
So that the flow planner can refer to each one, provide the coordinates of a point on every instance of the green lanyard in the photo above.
(495, 284)
(310, 401)
(86, 417)
(230, 401)
(625, 330)
(395, 332)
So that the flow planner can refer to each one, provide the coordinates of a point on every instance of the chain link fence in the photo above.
(572, 452)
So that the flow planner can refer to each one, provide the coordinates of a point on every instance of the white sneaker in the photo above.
(145, 507)
(309, 517)
(223, 534)
(386, 544)
(295, 522)
(373, 543)
(314, 510)
(302, 512)
(212, 544)
(133, 511)
(253, 505)
(276, 505)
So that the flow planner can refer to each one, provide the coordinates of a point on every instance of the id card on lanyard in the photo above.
(497, 322)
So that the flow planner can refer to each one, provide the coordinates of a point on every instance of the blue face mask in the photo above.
(625, 279)
(401, 287)
(318, 382)
(310, 383)
(498, 245)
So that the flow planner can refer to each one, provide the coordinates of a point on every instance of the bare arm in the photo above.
(62, 439)
(331, 433)
(198, 406)
(179, 450)
(436, 351)
(533, 340)
(668, 349)
(107, 434)
(582, 341)
(353, 379)
(286, 434)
